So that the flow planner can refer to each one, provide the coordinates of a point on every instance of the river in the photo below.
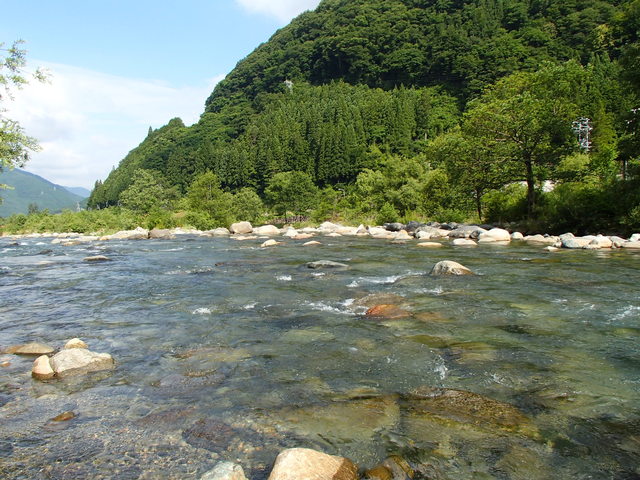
(226, 350)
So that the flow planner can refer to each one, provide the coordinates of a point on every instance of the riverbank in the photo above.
(432, 235)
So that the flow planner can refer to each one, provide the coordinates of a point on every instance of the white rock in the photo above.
(517, 236)
(138, 233)
(463, 242)
(347, 231)
(270, 243)
(617, 241)
(32, 348)
(78, 361)
(635, 237)
(430, 245)
(307, 464)
(225, 471)
(219, 232)
(541, 239)
(631, 245)
(75, 343)
(311, 243)
(601, 242)
(361, 230)
(290, 233)
(241, 228)
(333, 234)
(267, 230)
(497, 234)
(421, 235)
(447, 267)
(402, 235)
(551, 248)
(329, 227)
(42, 368)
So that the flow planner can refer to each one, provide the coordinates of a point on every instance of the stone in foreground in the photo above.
(97, 258)
(447, 267)
(307, 464)
(41, 369)
(225, 471)
(78, 361)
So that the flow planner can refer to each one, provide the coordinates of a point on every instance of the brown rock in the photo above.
(64, 417)
(163, 234)
(32, 348)
(97, 258)
(41, 369)
(379, 473)
(307, 464)
(387, 311)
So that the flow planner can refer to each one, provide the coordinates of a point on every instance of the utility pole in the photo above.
(582, 128)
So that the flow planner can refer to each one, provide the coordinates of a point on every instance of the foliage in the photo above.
(207, 198)
(248, 206)
(149, 191)
(15, 145)
(291, 192)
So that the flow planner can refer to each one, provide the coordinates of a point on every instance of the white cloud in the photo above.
(283, 10)
(87, 121)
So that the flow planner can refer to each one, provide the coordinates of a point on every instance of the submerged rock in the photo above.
(387, 311)
(225, 471)
(78, 361)
(326, 264)
(64, 417)
(307, 464)
(393, 468)
(32, 348)
(451, 406)
(41, 369)
(96, 259)
(447, 267)
(210, 434)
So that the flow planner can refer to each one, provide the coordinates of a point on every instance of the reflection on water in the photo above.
(530, 369)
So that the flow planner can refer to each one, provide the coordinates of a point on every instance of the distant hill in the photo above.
(80, 191)
(29, 189)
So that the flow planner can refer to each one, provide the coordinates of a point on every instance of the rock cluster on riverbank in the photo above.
(431, 235)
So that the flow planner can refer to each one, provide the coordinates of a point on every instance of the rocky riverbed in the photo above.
(501, 360)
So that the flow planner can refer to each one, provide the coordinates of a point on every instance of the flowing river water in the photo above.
(226, 350)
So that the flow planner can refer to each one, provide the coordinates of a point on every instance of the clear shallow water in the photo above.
(225, 350)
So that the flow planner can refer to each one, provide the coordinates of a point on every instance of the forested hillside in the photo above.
(396, 103)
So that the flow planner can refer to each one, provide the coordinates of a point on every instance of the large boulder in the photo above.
(631, 245)
(496, 234)
(161, 234)
(225, 471)
(78, 361)
(447, 267)
(601, 242)
(241, 228)
(268, 230)
(307, 464)
(427, 232)
(328, 227)
(541, 239)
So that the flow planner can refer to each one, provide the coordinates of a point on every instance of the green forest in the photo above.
(513, 112)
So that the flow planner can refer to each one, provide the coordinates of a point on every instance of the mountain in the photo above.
(32, 190)
(80, 191)
(355, 78)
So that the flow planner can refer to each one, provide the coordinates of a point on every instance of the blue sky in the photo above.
(118, 67)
